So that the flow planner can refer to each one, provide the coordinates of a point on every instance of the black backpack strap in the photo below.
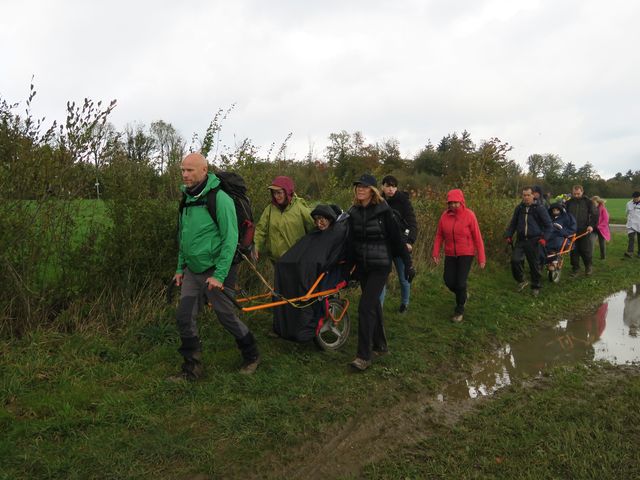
(211, 204)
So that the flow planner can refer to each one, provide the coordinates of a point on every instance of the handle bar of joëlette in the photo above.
(568, 243)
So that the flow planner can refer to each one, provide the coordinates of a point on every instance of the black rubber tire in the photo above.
(333, 336)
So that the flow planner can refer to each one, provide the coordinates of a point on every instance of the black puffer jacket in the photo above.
(374, 237)
(402, 204)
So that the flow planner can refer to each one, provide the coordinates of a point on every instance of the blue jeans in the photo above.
(405, 287)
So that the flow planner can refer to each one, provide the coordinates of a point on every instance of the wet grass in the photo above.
(95, 404)
(575, 423)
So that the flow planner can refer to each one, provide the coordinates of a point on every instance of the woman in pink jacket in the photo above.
(458, 229)
(602, 230)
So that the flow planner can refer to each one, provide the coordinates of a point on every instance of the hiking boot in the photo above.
(628, 254)
(574, 273)
(360, 364)
(250, 355)
(403, 308)
(457, 318)
(190, 371)
(522, 285)
(535, 292)
(588, 271)
(249, 367)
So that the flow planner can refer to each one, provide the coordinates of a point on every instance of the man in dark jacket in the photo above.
(205, 256)
(400, 202)
(586, 215)
(532, 224)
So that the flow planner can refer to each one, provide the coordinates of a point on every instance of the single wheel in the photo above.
(554, 275)
(335, 330)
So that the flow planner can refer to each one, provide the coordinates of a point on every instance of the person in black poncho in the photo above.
(319, 251)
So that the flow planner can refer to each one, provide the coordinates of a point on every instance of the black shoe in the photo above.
(588, 271)
(574, 273)
(190, 371)
(628, 254)
(535, 292)
(403, 308)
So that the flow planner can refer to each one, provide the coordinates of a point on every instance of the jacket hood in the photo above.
(325, 211)
(456, 195)
(286, 184)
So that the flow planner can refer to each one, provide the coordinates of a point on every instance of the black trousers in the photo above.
(531, 250)
(456, 272)
(631, 238)
(583, 249)
(370, 321)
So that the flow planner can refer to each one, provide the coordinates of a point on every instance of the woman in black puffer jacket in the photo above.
(374, 240)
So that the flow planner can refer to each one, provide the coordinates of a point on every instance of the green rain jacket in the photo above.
(278, 230)
(203, 244)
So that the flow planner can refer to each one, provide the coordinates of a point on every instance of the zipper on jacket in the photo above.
(526, 222)
(453, 235)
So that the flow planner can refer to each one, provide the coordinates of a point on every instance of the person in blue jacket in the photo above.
(532, 225)
(564, 225)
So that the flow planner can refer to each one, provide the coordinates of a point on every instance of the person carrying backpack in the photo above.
(404, 213)
(205, 267)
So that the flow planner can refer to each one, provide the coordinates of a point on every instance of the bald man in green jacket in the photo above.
(205, 257)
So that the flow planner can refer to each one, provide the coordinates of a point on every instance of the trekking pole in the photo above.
(253, 267)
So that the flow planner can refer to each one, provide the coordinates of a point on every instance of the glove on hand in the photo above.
(409, 273)
(508, 240)
(558, 226)
(542, 242)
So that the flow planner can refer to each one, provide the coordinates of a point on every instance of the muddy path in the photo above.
(344, 450)
(611, 334)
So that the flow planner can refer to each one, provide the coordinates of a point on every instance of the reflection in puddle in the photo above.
(610, 334)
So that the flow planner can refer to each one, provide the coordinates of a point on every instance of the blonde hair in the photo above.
(598, 200)
(376, 198)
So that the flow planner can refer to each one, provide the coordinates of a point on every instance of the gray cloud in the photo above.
(557, 77)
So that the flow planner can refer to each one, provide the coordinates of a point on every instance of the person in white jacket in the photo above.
(633, 223)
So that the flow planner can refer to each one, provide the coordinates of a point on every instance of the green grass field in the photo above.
(95, 403)
(616, 208)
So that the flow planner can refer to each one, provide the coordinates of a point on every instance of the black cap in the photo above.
(635, 194)
(367, 180)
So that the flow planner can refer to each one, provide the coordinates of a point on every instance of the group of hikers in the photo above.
(379, 228)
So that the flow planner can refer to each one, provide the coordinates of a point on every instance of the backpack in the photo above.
(233, 185)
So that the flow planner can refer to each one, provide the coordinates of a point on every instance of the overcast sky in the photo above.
(546, 76)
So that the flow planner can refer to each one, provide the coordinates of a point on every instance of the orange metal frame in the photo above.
(310, 295)
(567, 245)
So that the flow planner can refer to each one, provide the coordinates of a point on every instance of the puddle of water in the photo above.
(611, 333)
